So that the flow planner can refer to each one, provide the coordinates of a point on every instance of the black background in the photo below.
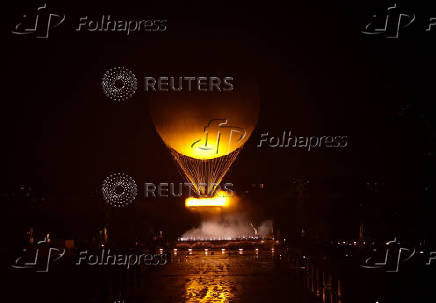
(317, 74)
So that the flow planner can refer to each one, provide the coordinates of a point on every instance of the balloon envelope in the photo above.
(205, 125)
(205, 131)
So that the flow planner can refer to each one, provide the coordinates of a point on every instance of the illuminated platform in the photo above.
(231, 243)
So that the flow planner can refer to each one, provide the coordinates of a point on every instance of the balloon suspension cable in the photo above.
(204, 174)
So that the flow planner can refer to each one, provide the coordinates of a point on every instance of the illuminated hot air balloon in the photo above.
(205, 131)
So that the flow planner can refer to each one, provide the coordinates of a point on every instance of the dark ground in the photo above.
(198, 277)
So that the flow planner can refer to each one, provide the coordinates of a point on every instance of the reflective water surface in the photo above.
(223, 277)
(197, 276)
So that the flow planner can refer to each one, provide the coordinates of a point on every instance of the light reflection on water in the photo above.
(196, 277)
(211, 280)
(216, 277)
(215, 289)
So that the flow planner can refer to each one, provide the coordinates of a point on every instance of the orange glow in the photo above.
(206, 126)
(219, 200)
(219, 142)
(204, 288)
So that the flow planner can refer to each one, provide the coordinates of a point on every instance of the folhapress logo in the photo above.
(217, 130)
(39, 262)
(393, 21)
(38, 24)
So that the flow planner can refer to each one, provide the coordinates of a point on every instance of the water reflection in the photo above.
(211, 281)
(208, 289)
(253, 276)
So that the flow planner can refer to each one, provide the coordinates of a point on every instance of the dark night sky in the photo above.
(317, 74)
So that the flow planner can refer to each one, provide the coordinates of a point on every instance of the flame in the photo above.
(221, 199)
